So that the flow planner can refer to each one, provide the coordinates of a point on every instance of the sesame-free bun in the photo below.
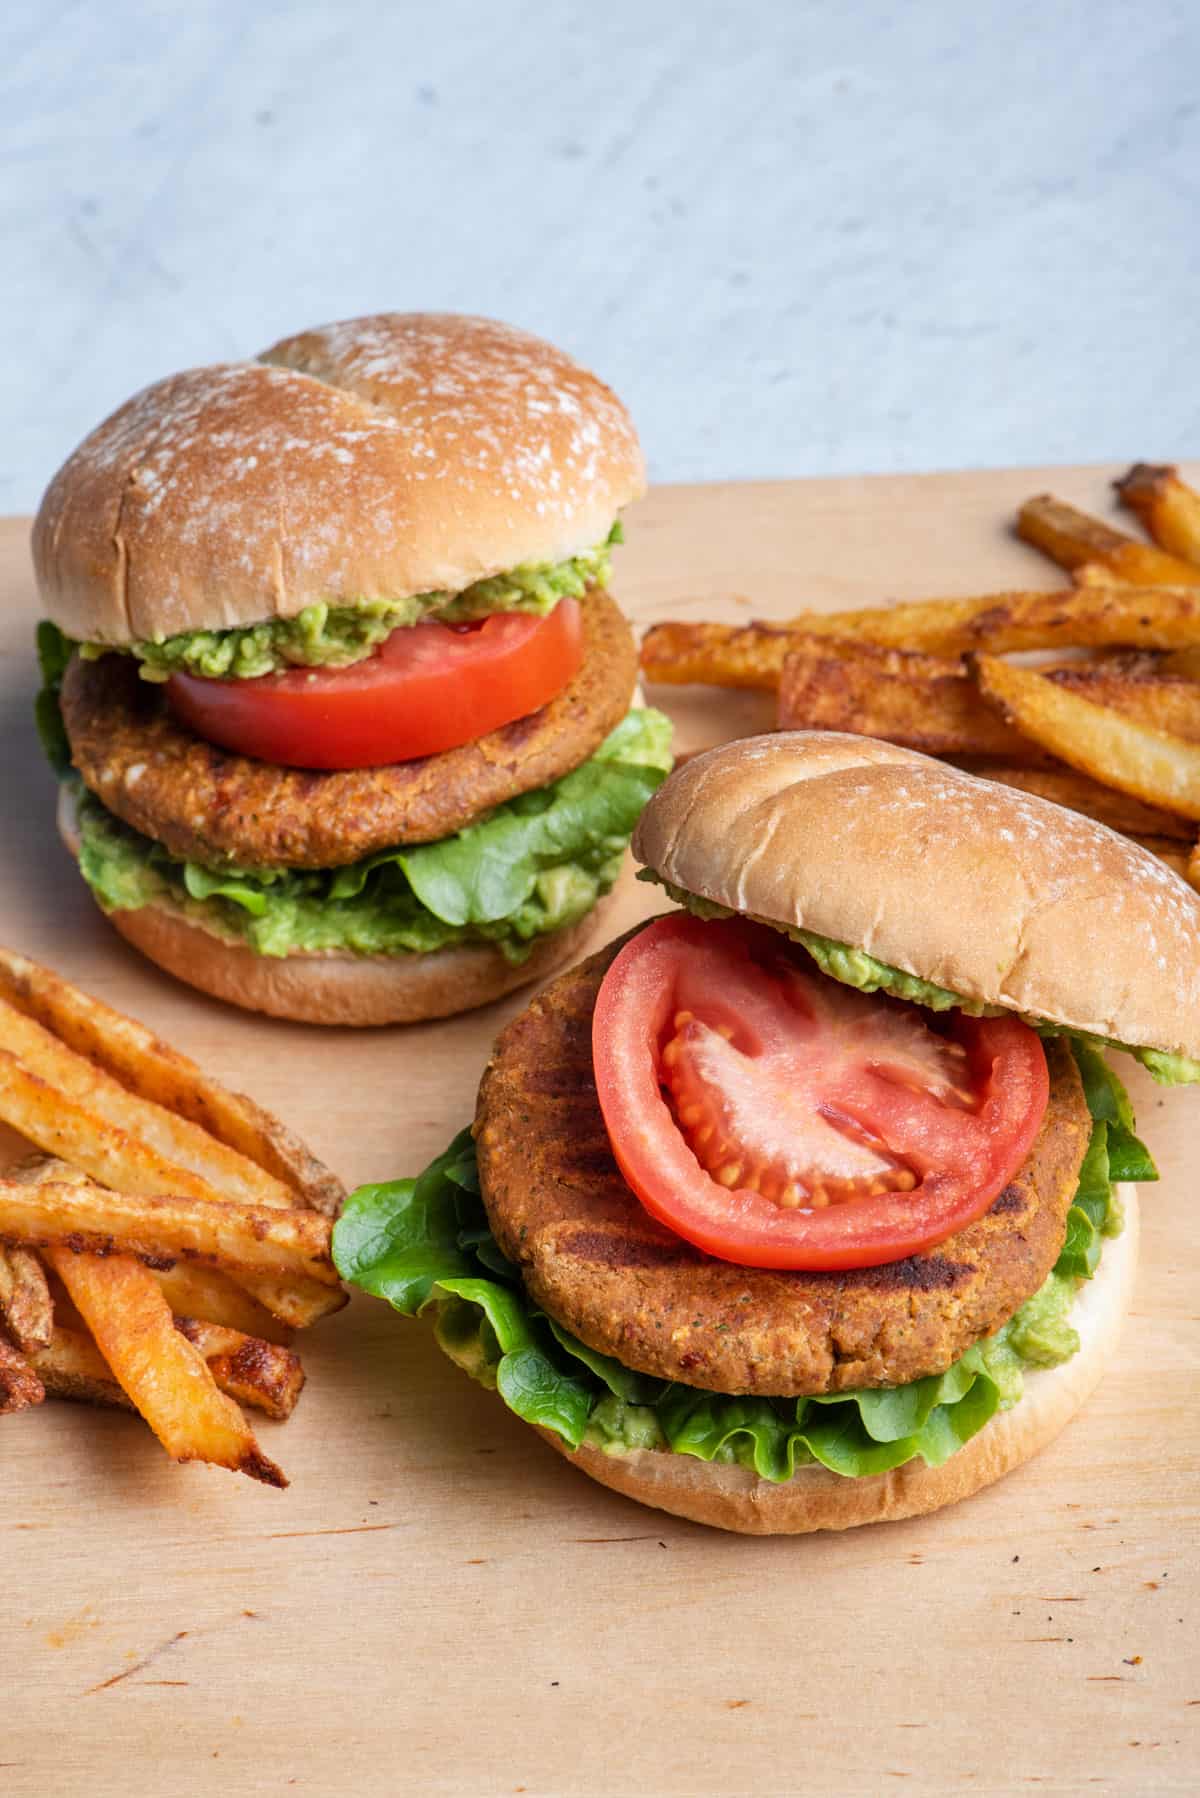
(376, 458)
(731, 1497)
(997, 895)
(333, 988)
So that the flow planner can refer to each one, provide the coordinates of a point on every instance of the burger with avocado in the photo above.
(341, 703)
(810, 1203)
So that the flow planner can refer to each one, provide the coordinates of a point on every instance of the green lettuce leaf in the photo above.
(334, 636)
(425, 1244)
(54, 651)
(534, 865)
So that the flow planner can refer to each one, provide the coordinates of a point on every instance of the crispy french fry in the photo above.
(1095, 574)
(1174, 855)
(166, 1377)
(1166, 505)
(1163, 702)
(1080, 793)
(144, 1065)
(1184, 662)
(193, 1291)
(1072, 538)
(71, 1130)
(296, 1302)
(71, 1366)
(251, 1371)
(1146, 763)
(20, 1386)
(279, 1245)
(753, 655)
(254, 1373)
(923, 702)
(180, 1142)
(718, 655)
(25, 1308)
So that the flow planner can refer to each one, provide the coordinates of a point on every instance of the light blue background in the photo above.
(799, 239)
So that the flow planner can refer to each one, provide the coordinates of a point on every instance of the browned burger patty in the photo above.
(626, 1286)
(209, 806)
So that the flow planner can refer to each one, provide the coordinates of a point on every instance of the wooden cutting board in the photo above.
(439, 1604)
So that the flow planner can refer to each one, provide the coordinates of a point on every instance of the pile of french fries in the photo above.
(164, 1238)
(1105, 721)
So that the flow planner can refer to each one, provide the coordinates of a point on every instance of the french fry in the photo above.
(1166, 505)
(252, 1372)
(69, 1132)
(718, 655)
(257, 1306)
(752, 655)
(181, 1143)
(1174, 855)
(193, 1291)
(70, 1366)
(1183, 662)
(165, 1376)
(923, 702)
(20, 1386)
(25, 1308)
(296, 1302)
(146, 1066)
(1095, 574)
(279, 1245)
(1163, 702)
(1080, 793)
(1146, 763)
(1073, 539)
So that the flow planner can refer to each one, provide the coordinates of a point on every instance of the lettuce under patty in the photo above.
(535, 864)
(425, 1244)
(334, 636)
(54, 651)
(854, 967)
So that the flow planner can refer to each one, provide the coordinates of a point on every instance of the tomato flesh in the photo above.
(428, 688)
(776, 1118)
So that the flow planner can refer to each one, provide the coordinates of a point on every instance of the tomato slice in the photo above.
(776, 1118)
(429, 687)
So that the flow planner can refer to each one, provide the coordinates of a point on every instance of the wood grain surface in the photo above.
(439, 1604)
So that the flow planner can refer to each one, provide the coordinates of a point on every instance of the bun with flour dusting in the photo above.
(338, 611)
(376, 458)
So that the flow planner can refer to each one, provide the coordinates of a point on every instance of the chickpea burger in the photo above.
(339, 698)
(810, 1203)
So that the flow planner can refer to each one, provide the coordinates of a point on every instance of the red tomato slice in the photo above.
(429, 687)
(776, 1118)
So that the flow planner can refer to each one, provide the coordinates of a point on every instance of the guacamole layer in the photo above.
(334, 636)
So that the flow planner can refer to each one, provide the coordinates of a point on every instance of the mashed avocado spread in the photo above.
(425, 1244)
(533, 865)
(333, 636)
(854, 967)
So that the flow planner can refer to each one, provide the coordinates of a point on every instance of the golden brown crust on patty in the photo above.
(209, 806)
(628, 1287)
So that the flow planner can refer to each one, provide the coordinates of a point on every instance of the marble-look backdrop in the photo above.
(799, 238)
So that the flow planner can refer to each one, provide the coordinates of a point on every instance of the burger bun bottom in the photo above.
(332, 988)
(731, 1497)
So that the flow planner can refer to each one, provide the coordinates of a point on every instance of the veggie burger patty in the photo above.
(629, 1287)
(209, 806)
